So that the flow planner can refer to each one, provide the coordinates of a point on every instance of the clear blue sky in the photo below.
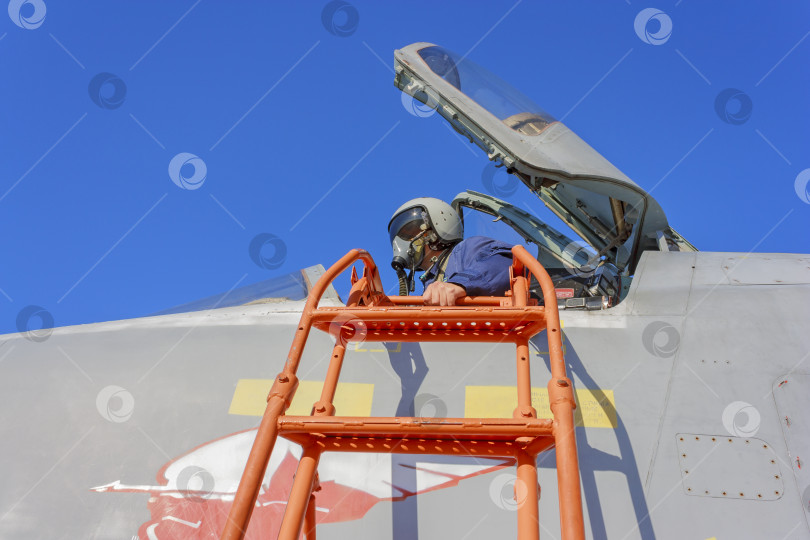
(284, 114)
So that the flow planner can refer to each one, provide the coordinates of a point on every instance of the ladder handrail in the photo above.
(562, 404)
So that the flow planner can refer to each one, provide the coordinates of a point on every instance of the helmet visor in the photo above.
(406, 225)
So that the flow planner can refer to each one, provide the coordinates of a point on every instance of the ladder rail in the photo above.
(280, 396)
(562, 404)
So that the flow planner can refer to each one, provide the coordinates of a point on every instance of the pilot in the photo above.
(427, 234)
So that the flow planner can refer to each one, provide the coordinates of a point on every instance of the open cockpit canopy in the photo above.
(602, 205)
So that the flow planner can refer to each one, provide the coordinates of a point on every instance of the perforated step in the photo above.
(430, 323)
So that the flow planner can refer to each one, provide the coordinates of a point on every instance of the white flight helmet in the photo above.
(432, 220)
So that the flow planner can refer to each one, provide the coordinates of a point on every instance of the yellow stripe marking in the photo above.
(595, 408)
(351, 399)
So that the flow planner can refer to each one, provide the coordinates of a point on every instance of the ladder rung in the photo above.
(431, 323)
(407, 427)
(458, 447)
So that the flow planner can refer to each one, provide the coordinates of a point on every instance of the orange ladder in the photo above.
(370, 315)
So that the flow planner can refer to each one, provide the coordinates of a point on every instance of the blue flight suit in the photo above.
(479, 264)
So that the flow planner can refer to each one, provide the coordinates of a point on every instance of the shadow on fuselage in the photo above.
(592, 459)
(409, 364)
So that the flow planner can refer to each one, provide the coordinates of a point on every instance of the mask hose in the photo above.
(403, 281)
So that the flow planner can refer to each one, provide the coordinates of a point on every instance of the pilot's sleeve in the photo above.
(481, 266)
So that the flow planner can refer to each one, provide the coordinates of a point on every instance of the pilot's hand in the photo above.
(440, 293)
